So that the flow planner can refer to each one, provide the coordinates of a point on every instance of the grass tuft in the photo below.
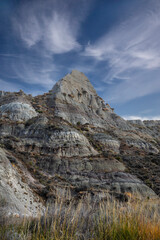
(88, 220)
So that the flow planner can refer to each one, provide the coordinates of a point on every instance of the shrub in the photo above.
(39, 111)
(78, 123)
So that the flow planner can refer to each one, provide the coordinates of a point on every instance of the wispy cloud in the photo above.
(35, 71)
(131, 52)
(142, 83)
(45, 28)
(52, 23)
(32, 70)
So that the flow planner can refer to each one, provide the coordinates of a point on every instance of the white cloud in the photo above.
(130, 45)
(142, 83)
(131, 52)
(29, 30)
(33, 69)
(46, 28)
(52, 23)
(59, 36)
(141, 118)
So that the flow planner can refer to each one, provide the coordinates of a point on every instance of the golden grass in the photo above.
(88, 220)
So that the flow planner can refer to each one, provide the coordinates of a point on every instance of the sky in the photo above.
(115, 43)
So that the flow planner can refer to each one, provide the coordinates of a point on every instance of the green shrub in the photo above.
(78, 123)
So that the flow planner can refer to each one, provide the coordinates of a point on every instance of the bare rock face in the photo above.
(108, 142)
(141, 144)
(75, 100)
(73, 144)
(136, 122)
(62, 143)
(16, 197)
(151, 123)
(69, 138)
(98, 173)
(17, 111)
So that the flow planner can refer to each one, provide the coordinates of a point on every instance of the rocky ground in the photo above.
(70, 139)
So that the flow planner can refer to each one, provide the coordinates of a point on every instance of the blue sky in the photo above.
(116, 43)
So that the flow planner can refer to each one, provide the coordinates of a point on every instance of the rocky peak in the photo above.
(75, 86)
(75, 100)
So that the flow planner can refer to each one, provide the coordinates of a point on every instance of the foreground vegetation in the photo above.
(88, 220)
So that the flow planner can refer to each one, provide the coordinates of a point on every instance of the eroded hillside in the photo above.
(69, 138)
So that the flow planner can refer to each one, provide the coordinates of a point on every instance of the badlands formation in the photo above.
(70, 139)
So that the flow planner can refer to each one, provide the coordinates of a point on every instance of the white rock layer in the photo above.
(18, 111)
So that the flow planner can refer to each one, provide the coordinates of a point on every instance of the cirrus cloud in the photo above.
(53, 24)
(130, 53)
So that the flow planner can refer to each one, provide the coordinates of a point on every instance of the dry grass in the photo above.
(88, 220)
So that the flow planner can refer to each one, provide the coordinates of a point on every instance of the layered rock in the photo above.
(62, 143)
(16, 107)
(17, 111)
(70, 138)
(108, 142)
(75, 100)
(143, 145)
(97, 173)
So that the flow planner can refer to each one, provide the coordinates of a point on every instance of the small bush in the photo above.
(78, 123)
(39, 111)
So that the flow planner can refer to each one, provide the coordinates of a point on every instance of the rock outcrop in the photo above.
(16, 197)
(75, 100)
(107, 141)
(69, 138)
(17, 111)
